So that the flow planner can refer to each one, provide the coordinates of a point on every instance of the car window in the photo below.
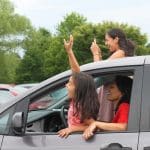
(5, 121)
(108, 110)
(49, 119)
(48, 99)
(43, 105)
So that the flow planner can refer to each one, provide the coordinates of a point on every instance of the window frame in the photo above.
(136, 95)
(134, 118)
(145, 104)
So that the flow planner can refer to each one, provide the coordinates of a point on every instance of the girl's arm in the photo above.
(72, 59)
(64, 133)
(75, 128)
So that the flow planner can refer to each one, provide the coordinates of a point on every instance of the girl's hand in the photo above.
(68, 44)
(95, 48)
(64, 133)
(89, 131)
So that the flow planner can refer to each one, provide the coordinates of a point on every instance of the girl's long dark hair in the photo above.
(125, 44)
(124, 84)
(86, 99)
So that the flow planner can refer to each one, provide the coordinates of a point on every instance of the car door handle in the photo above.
(147, 148)
(115, 146)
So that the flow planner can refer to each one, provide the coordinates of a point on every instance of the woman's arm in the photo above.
(111, 126)
(103, 126)
(72, 59)
(117, 54)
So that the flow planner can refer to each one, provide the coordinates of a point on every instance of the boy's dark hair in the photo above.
(86, 98)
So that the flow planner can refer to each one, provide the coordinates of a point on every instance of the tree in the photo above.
(31, 67)
(84, 35)
(45, 55)
(13, 28)
(69, 22)
(55, 58)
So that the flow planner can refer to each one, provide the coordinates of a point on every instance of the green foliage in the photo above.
(8, 62)
(31, 67)
(11, 27)
(11, 23)
(70, 21)
(44, 53)
(55, 59)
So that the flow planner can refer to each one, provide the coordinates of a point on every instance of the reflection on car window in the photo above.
(48, 99)
(59, 93)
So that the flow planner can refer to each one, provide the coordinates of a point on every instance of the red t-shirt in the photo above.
(121, 115)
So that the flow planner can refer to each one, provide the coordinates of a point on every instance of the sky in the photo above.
(49, 13)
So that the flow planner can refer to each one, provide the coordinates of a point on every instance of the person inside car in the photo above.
(119, 91)
(84, 104)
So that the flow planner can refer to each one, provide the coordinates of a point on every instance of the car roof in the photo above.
(127, 61)
(5, 86)
(27, 85)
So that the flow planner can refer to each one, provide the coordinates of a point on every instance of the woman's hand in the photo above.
(64, 133)
(89, 131)
(68, 44)
(96, 51)
(95, 48)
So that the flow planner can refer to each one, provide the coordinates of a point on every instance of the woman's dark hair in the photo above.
(86, 99)
(125, 44)
(124, 84)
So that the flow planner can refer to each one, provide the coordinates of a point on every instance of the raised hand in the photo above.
(95, 48)
(96, 51)
(68, 44)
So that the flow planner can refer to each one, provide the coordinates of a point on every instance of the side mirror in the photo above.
(17, 123)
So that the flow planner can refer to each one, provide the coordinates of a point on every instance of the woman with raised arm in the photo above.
(119, 46)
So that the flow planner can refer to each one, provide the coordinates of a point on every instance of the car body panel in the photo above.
(73, 142)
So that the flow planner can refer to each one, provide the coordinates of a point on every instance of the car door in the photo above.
(40, 140)
(1, 138)
(127, 139)
(144, 139)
